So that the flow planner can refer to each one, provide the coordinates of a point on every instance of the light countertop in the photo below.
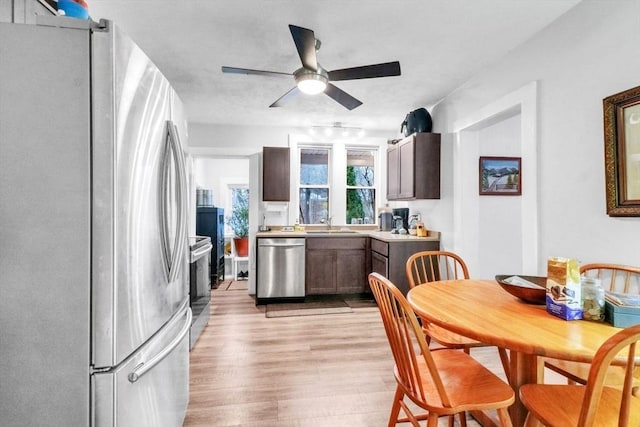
(380, 235)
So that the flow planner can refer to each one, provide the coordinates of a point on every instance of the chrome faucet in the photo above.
(327, 222)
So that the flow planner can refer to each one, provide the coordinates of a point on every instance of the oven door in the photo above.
(200, 287)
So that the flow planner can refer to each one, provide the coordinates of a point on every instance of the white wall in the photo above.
(217, 174)
(589, 53)
(499, 217)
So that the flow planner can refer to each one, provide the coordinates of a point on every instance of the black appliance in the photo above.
(199, 284)
(210, 222)
(416, 121)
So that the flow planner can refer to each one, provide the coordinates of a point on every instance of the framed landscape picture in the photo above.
(500, 176)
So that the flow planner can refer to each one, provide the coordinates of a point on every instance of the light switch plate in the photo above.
(287, 228)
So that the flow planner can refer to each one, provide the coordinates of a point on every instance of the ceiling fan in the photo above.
(312, 79)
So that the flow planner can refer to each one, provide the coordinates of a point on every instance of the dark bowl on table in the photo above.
(535, 294)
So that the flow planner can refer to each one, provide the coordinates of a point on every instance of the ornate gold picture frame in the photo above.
(622, 152)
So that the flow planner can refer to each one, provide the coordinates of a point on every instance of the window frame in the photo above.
(376, 154)
(337, 172)
(328, 186)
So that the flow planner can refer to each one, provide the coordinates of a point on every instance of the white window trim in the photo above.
(337, 176)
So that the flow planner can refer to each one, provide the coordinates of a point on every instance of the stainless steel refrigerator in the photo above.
(94, 307)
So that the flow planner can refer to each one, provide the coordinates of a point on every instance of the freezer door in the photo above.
(151, 389)
(140, 253)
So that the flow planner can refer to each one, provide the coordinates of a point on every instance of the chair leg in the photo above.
(531, 421)
(395, 409)
(410, 417)
(433, 420)
(504, 358)
(503, 416)
(463, 419)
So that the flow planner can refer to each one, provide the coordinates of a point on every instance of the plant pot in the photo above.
(242, 246)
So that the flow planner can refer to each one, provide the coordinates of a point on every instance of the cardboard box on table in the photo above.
(564, 292)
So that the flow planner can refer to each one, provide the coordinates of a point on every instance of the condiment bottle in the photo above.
(592, 299)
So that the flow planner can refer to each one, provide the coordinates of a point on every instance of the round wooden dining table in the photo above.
(483, 311)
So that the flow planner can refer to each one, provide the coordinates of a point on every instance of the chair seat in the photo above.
(475, 386)
(559, 405)
(449, 339)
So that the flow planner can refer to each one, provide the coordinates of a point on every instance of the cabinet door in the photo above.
(320, 272)
(407, 169)
(413, 168)
(351, 271)
(275, 174)
(393, 168)
(426, 173)
(379, 264)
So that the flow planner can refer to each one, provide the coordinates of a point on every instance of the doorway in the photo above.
(228, 179)
(497, 234)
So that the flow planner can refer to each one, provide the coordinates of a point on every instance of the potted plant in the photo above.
(239, 223)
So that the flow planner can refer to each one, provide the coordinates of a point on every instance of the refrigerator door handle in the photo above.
(145, 367)
(173, 252)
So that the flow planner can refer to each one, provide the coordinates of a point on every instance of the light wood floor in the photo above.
(305, 371)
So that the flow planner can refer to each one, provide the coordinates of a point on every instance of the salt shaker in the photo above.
(592, 299)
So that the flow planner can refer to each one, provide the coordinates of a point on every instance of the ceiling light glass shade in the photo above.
(311, 84)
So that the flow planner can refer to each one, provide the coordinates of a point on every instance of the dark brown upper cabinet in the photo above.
(413, 167)
(276, 182)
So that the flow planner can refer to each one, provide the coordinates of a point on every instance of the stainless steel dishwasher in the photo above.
(280, 268)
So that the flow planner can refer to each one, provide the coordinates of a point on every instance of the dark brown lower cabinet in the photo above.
(390, 258)
(336, 265)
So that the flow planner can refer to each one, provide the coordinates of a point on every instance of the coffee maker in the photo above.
(404, 214)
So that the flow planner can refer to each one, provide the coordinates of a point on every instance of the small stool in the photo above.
(234, 265)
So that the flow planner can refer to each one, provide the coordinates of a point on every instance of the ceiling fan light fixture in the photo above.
(311, 82)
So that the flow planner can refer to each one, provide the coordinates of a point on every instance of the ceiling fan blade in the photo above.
(342, 97)
(387, 69)
(284, 98)
(305, 42)
(234, 70)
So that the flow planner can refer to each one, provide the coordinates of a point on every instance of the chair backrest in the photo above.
(403, 333)
(597, 374)
(614, 277)
(430, 266)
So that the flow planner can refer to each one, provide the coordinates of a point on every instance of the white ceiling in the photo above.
(440, 44)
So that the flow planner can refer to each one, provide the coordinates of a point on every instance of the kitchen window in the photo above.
(314, 185)
(336, 181)
(360, 189)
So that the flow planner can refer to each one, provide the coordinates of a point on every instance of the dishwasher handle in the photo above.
(280, 245)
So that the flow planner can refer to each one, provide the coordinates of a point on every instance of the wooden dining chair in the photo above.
(443, 382)
(615, 278)
(429, 266)
(593, 404)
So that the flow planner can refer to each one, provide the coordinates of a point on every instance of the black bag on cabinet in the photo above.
(417, 121)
